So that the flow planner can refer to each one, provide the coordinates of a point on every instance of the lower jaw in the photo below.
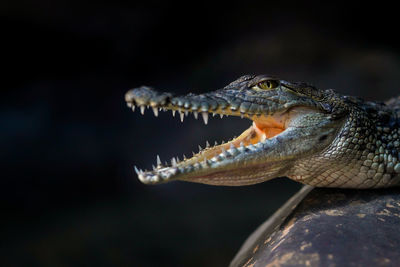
(247, 174)
(204, 167)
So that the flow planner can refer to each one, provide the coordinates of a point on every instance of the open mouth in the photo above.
(263, 128)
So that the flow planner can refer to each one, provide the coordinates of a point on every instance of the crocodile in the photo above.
(316, 137)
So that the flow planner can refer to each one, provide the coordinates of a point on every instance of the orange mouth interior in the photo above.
(263, 128)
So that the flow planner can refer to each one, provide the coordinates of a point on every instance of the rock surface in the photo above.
(329, 227)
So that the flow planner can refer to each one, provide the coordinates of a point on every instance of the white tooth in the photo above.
(154, 168)
(133, 108)
(186, 112)
(200, 149)
(173, 112)
(215, 143)
(221, 115)
(173, 162)
(177, 159)
(205, 117)
(184, 157)
(155, 111)
(142, 109)
(213, 114)
(241, 116)
(182, 115)
(136, 170)
(158, 160)
(195, 114)
(207, 144)
(263, 137)
(129, 104)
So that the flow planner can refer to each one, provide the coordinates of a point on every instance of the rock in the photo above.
(328, 227)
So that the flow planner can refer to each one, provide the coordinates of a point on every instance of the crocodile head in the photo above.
(288, 121)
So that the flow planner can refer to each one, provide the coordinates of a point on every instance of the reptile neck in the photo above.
(366, 151)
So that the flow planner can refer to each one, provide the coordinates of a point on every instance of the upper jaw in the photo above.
(233, 100)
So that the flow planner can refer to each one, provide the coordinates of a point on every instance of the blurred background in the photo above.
(68, 192)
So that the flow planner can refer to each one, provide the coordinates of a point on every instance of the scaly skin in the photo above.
(316, 137)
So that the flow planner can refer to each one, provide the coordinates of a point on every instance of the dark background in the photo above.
(68, 142)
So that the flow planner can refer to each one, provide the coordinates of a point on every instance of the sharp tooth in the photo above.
(186, 112)
(182, 115)
(136, 170)
(177, 159)
(158, 160)
(133, 108)
(241, 116)
(207, 144)
(184, 157)
(221, 115)
(142, 109)
(154, 167)
(173, 162)
(215, 143)
(200, 149)
(173, 112)
(155, 111)
(205, 117)
(263, 137)
(195, 114)
(213, 114)
(193, 153)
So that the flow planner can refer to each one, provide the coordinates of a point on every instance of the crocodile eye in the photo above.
(268, 84)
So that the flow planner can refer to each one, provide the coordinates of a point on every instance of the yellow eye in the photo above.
(268, 84)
